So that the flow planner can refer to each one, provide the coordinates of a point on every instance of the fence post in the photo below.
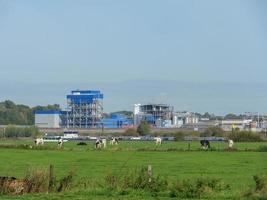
(149, 172)
(189, 145)
(51, 178)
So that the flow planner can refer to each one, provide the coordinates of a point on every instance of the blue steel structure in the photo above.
(84, 109)
(117, 121)
(47, 112)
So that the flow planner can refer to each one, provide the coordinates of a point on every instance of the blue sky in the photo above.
(197, 55)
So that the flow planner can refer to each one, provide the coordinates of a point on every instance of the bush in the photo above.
(261, 182)
(11, 185)
(262, 148)
(143, 128)
(212, 131)
(244, 136)
(197, 188)
(179, 135)
(37, 180)
(130, 132)
(13, 131)
(260, 190)
(137, 179)
(65, 182)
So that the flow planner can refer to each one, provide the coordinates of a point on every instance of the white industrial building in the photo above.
(157, 115)
(47, 119)
(182, 118)
(162, 115)
(241, 124)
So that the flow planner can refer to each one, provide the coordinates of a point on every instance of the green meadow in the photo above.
(171, 161)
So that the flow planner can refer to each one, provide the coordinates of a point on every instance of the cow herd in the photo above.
(102, 143)
(205, 144)
(40, 142)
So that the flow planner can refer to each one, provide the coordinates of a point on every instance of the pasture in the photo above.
(172, 160)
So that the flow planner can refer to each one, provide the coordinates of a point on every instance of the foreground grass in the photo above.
(234, 168)
(100, 195)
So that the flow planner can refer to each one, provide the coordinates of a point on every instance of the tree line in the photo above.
(19, 114)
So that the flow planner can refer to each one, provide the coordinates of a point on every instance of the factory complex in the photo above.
(85, 111)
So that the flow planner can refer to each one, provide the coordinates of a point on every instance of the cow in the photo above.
(98, 144)
(158, 141)
(114, 141)
(230, 144)
(104, 143)
(39, 141)
(205, 144)
(60, 143)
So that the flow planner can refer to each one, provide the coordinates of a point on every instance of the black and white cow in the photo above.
(114, 141)
(60, 143)
(98, 144)
(39, 141)
(205, 144)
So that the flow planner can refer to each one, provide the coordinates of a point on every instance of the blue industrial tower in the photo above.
(84, 109)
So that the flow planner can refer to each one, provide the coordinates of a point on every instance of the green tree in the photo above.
(11, 113)
(143, 128)
(48, 107)
(213, 131)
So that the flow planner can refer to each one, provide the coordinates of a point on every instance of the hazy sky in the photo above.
(202, 55)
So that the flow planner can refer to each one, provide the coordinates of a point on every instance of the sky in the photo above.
(195, 55)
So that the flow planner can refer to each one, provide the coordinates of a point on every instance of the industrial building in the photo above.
(184, 118)
(84, 109)
(162, 116)
(117, 121)
(241, 124)
(47, 118)
(157, 115)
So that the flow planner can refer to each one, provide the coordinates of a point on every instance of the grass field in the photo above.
(172, 161)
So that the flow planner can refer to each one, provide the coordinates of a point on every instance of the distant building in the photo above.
(200, 126)
(157, 115)
(182, 118)
(241, 124)
(47, 118)
(84, 109)
(117, 121)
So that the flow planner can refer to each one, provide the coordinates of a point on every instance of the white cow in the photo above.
(158, 141)
(230, 144)
(104, 143)
(39, 141)
(60, 143)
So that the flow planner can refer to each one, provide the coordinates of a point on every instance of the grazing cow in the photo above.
(39, 141)
(158, 141)
(205, 144)
(114, 141)
(60, 143)
(230, 144)
(98, 144)
(104, 143)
